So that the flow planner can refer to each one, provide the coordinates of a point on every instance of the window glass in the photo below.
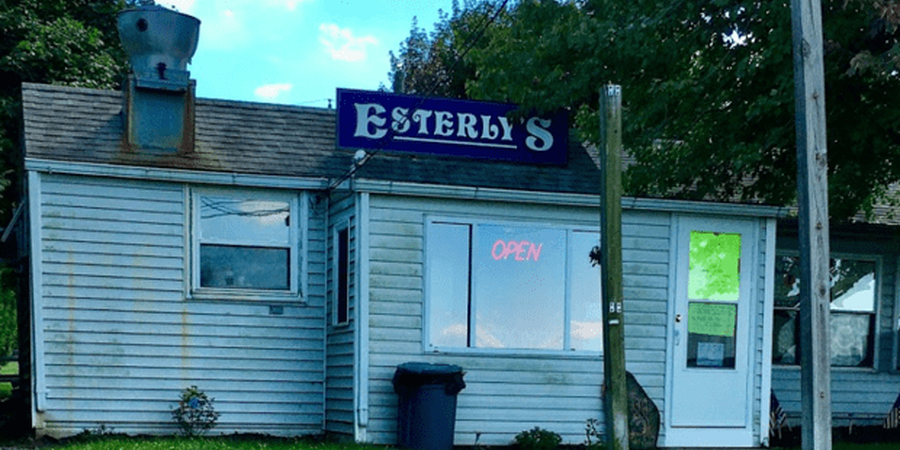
(714, 278)
(448, 276)
(520, 287)
(852, 285)
(226, 219)
(711, 334)
(715, 260)
(343, 279)
(852, 318)
(586, 323)
(223, 266)
(512, 287)
(245, 242)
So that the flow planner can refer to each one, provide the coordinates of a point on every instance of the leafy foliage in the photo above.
(70, 42)
(9, 327)
(435, 64)
(195, 414)
(708, 90)
(537, 438)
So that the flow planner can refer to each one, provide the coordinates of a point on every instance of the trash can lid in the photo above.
(413, 375)
(428, 369)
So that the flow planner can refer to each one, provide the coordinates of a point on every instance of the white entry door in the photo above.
(709, 389)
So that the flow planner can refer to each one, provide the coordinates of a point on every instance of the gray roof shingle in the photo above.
(86, 125)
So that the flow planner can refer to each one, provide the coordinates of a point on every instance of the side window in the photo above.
(245, 241)
(342, 269)
(853, 311)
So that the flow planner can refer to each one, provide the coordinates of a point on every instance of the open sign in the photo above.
(519, 250)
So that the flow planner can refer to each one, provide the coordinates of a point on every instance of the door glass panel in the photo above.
(711, 333)
(715, 266)
(714, 278)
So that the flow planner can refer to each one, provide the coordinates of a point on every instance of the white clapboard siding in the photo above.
(341, 338)
(507, 394)
(121, 341)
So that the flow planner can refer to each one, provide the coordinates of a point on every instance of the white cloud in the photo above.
(342, 45)
(224, 30)
(183, 6)
(289, 5)
(272, 91)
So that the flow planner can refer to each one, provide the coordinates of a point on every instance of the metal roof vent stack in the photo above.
(159, 94)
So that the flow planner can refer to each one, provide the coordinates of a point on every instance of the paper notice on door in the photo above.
(710, 354)
(712, 319)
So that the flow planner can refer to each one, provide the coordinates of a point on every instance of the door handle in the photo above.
(677, 318)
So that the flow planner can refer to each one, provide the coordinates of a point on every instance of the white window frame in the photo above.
(879, 278)
(297, 256)
(566, 351)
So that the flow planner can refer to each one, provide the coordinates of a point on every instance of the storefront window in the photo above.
(853, 307)
(512, 287)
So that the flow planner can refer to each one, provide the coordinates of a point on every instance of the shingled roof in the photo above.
(86, 126)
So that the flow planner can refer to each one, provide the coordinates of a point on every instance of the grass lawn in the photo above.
(205, 443)
(249, 443)
(11, 368)
(854, 446)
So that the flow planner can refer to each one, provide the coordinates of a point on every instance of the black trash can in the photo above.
(426, 413)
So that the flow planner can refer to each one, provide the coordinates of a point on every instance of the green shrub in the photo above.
(537, 439)
(195, 414)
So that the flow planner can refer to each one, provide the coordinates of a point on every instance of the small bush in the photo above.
(195, 414)
(538, 439)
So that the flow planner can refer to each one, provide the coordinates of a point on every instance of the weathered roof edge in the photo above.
(399, 188)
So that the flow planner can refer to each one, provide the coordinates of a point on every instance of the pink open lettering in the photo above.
(520, 250)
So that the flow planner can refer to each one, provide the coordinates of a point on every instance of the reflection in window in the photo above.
(714, 278)
(586, 322)
(520, 285)
(715, 266)
(244, 243)
(852, 284)
(494, 286)
(448, 274)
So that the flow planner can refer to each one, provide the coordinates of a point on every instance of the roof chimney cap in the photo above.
(159, 42)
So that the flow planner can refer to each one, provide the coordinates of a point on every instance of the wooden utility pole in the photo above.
(812, 186)
(615, 400)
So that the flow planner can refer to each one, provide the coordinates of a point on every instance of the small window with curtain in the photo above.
(853, 284)
(245, 242)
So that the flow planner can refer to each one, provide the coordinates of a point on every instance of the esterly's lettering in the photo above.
(372, 123)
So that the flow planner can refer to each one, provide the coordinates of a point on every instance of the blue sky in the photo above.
(298, 51)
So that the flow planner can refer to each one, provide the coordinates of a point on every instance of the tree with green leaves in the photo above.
(436, 63)
(69, 42)
(708, 92)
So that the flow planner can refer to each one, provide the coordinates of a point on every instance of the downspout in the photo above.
(37, 301)
(325, 334)
(362, 305)
(768, 313)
